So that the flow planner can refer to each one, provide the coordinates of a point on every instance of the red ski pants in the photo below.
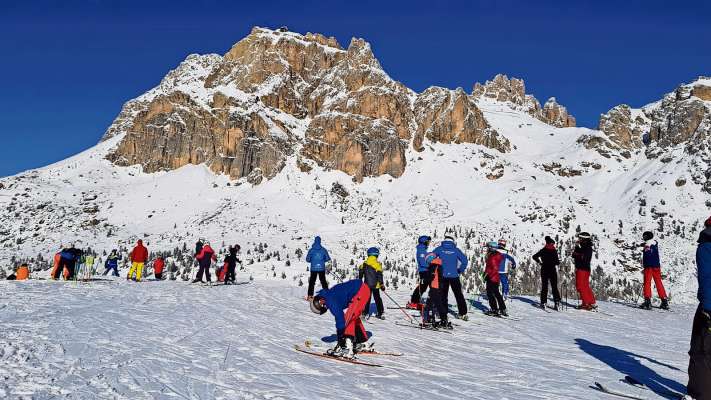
(582, 284)
(354, 326)
(656, 274)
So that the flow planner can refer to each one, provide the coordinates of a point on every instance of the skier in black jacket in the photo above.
(232, 261)
(547, 258)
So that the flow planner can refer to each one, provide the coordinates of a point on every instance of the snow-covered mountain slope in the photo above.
(476, 166)
(167, 340)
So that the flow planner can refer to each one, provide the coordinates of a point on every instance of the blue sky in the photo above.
(68, 66)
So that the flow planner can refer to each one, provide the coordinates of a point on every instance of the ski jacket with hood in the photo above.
(317, 256)
(582, 255)
(158, 265)
(420, 256)
(508, 262)
(547, 257)
(454, 262)
(493, 263)
(139, 254)
(650, 254)
(338, 298)
(703, 264)
(206, 256)
(372, 271)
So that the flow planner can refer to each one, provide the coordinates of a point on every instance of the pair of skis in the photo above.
(639, 385)
(310, 349)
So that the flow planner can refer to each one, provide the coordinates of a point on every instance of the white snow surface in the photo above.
(113, 339)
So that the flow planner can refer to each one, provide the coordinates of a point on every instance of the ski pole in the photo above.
(398, 306)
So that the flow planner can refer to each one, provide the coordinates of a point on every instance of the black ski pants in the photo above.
(230, 274)
(549, 275)
(375, 295)
(435, 305)
(421, 288)
(496, 300)
(456, 286)
(203, 269)
(312, 281)
(699, 386)
(159, 275)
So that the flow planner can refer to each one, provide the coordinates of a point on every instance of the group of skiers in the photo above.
(440, 270)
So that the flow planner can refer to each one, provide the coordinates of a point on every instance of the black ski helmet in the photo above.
(316, 306)
(584, 236)
(647, 235)
(549, 240)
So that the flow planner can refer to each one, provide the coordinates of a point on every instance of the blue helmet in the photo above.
(373, 251)
(424, 239)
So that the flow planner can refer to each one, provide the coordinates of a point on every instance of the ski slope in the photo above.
(113, 339)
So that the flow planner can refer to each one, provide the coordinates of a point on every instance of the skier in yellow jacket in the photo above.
(371, 272)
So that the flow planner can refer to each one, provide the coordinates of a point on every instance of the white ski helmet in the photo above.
(317, 307)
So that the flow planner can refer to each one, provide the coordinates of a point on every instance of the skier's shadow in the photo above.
(629, 364)
(478, 304)
(334, 338)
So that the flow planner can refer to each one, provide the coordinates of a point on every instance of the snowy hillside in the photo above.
(479, 167)
(168, 340)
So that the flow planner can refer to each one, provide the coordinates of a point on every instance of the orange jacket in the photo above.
(23, 273)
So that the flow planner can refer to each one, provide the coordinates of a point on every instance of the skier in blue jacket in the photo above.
(508, 264)
(423, 242)
(317, 257)
(111, 263)
(454, 262)
(699, 386)
(354, 296)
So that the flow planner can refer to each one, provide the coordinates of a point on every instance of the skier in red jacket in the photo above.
(205, 258)
(497, 306)
(158, 266)
(138, 257)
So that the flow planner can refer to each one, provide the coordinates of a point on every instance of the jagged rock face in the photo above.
(621, 128)
(450, 116)
(513, 91)
(682, 117)
(702, 91)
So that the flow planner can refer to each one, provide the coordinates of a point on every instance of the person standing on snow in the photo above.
(454, 262)
(353, 295)
(205, 258)
(423, 242)
(699, 386)
(494, 258)
(112, 263)
(435, 303)
(508, 263)
(371, 273)
(547, 258)
(231, 263)
(651, 269)
(582, 255)
(317, 257)
(158, 266)
(138, 258)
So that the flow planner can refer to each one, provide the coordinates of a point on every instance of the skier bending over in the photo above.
(582, 255)
(67, 262)
(353, 295)
(652, 270)
(508, 263)
(112, 263)
(547, 258)
(371, 273)
(435, 302)
(318, 257)
(454, 262)
(497, 306)
(423, 242)
(699, 386)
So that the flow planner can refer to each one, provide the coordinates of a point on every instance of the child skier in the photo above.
(231, 263)
(353, 295)
(435, 302)
(497, 306)
(371, 273)
(158, 266)
(652, 270)
(111, 263)
(582, 255)
(508, 263)
(423, 243)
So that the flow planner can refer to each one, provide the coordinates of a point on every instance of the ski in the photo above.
(324, 355)
(424, 328)
(369, 351)
(604, 389)
(666, 393)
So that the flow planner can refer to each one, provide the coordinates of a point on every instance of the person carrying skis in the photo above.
(111, 263)
(371, 273)
(699, 386)
(67, 262)
(317, 257)
(547, 258)
(423, 242)
(158, 266)
(138, 258)
(508, 263)
(353, 296)
(494, 258)
(651, 270)
(582, 256)
(231, 263)
(454, 262)
(435, 304)
(205, 258)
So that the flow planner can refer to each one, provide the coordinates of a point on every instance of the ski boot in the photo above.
(647, 305)
(444, 324)
(345, 351)
(665, 304)
(542, 306)
(463, 317)
(380, 317)
(364, 348)
(556, 306)
(492, 313)
(503, 313)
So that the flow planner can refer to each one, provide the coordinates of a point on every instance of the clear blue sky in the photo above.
(68, 66)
